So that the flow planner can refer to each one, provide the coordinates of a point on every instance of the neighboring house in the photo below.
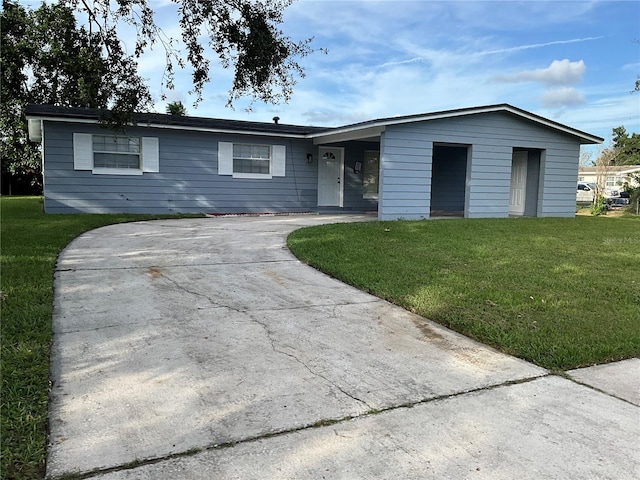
(610, 178)
(491, 161)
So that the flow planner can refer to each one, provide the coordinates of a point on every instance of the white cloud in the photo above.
(560, 72)
(391, 58)
(562, 97)
(519, 48)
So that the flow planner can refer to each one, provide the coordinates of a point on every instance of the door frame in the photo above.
(339, 152)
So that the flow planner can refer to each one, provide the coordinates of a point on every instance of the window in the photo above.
(248, 160)
(611, 182)
(371, 172)
(251, 158)
(115, 154)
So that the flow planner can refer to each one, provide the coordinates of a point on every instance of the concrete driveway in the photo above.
(201, 348)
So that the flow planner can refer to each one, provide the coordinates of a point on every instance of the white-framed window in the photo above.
(371, 174)
(611, 182)
(115, 154)
(110, 151)
(251, 160)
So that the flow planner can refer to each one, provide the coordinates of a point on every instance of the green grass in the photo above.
(561, 293)
(547, 290)
(30, 245)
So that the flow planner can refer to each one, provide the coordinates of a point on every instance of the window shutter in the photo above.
(82, 151)
(279, 160)
(225, 158)
(150, 154)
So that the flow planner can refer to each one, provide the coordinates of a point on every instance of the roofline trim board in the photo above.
(383, 123)
(174, 127)
(354, 131)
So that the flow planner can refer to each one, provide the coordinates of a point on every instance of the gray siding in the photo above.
(405, 173)
(188, 180)
(410, 188)
(407, 157)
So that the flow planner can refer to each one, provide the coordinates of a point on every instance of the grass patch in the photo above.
(30, 243)
(558, 292)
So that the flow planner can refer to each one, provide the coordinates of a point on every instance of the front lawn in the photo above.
(30, 243)
(561, 293)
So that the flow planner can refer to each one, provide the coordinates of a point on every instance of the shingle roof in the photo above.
(280, 129)
(187, 122)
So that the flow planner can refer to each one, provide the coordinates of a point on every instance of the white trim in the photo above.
(256, 176)
(150, 154)
(116, 171)
(278, 160)
(223, 130)
(82, 151)
(368, 128)
(177, 127)
(225, 158)
(341, 132)
(83, 155)
(361, 134)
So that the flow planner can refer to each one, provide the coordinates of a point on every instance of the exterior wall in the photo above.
(187, 181)
(407, 156)
(405, 173)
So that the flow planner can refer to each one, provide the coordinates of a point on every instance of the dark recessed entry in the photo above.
(448, 180)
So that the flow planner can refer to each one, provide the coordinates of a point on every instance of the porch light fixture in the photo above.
(309, 158)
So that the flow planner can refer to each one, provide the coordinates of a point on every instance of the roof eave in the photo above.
(381, 124)
(86, 120)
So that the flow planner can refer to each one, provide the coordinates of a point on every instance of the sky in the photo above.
(574, 62)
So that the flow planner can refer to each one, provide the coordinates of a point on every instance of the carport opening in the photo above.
(448, 180)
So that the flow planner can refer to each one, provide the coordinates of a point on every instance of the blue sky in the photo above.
(572, 61)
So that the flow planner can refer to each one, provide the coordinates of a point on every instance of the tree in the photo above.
(46, 58)
(176, 108)
(243, 35)
(19, 158)
(626, 147)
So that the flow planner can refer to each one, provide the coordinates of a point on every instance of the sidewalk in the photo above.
(201, 348)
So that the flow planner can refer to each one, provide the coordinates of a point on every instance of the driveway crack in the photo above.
(193, 292)
(275, 348)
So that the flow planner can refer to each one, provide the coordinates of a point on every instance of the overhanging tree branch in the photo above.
(243, 34)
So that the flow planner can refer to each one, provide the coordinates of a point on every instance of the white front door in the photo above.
(330, 177)
(518, 183)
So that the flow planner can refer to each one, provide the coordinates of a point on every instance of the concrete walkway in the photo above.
(202, 349)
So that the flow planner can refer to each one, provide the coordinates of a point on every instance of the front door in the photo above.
(330, 177)
(518, 183)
